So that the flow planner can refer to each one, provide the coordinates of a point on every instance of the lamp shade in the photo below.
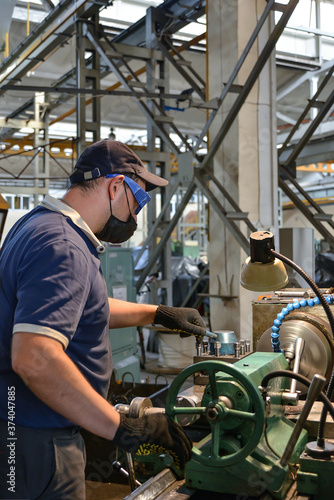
(261, 277)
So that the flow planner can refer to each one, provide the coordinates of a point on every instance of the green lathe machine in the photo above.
(250, 417)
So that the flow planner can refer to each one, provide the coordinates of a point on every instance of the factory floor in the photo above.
(106, 491)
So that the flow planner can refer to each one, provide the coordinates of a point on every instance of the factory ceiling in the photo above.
(304, 55)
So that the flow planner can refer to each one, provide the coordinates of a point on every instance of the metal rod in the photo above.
(131, 470)
(89, 91)
(315, 389)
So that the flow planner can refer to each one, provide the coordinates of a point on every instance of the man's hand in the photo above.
(154, 434)
(184, 320)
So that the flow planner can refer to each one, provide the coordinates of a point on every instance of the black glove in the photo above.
(185, 320)
(154, 433)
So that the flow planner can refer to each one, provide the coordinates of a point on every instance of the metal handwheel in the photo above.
(217, 411)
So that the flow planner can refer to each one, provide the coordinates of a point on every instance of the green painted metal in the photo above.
(235, 457)
(316, 477)
(255, 413)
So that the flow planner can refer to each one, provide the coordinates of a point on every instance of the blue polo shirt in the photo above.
(51, 284)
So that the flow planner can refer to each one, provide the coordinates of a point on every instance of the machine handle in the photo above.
(299, 346)
(315, 389)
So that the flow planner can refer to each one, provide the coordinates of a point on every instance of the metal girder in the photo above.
(194, 287)
(305, 211)
(88, 91)
(289, 87)
(320, 150)
(176, 15)
(189, 11)
(166, 234)
(220, 210)
(230, 82)
(127, 85)
(45, 38)
(247, 87)
(320, 216)
(165, 46)
(325, 107)
(244, 92)
(47, 4)
(323, 110)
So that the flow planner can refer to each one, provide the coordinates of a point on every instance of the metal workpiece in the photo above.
(138, 407)
(242, 347)
(236, 346)
(189, 398)
(217, 346)
(205, 346)
(317, 353)
(247, 345)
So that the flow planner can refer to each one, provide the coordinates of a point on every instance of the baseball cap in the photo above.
(112, 157)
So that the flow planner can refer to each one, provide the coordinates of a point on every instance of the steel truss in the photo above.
(318, 218)
(156, 32)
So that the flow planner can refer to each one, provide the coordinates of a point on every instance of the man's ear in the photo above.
(115, 185)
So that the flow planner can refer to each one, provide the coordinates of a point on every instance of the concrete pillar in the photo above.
(246, 162)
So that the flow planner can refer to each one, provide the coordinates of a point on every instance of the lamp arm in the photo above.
(323, 302)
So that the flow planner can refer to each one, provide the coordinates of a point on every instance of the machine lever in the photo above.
(316, 387)
(118, 466)
(299, 346)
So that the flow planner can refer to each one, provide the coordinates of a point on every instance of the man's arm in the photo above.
(124, 314)
(184, 320)
(52, 376)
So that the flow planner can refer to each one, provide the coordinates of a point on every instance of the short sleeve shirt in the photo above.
(51, 284)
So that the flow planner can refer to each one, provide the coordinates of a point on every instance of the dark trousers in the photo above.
(46, 464)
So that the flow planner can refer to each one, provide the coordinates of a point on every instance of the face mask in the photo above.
(116, 230)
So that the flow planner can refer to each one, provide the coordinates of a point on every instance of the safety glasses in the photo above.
(141, 196)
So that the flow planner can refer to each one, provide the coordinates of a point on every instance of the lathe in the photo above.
(237, 408)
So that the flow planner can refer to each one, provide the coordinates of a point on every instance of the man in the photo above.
(55, 359)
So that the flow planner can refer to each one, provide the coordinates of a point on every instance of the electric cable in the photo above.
(303, 380)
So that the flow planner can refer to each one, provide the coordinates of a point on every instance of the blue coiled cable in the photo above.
(297, 304)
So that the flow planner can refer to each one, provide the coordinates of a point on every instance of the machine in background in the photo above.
(117, 265)
(244, 443)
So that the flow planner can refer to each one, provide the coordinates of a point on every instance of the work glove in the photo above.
(184, 320)
(154, 433)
